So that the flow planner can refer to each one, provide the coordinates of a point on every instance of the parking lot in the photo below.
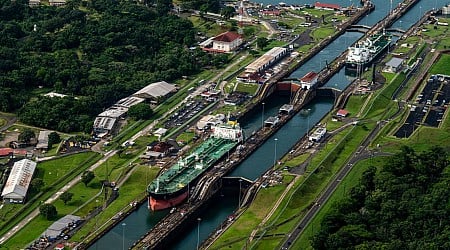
(189, 110)
(429, 107)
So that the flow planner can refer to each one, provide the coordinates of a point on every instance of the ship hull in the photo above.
(351, 68)
(156, 204)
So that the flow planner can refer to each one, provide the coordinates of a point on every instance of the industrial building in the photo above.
(43, 140)
(18, 181)
(155, 92)
(255, 69)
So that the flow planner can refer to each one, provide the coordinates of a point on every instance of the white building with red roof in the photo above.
(226, 42)
(327, 6)
(309, 80)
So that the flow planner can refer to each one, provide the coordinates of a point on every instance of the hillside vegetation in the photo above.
(95, 52)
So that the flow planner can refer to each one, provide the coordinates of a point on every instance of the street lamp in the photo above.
(262, 116)
(275, 153)
(307, 129)
(123, 235)
(198, 232)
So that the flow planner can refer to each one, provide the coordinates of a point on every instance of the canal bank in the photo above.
(338, 81)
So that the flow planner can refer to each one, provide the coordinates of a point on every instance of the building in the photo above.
(226, 42)
(61, 227)
(210, 120)
(18, 181)
(326, 6)
(394, 65)
(342, 113)
(43, 140)
(105, 122)
(34, 3)
(57, 2)
(309, 80)
(10, 152)
(254, 70)
(155, 92)
(317, 135)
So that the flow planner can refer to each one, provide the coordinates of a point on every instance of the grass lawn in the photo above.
(322, 32)
(442, 65)
(235, 237)
(355, 103)
(132, 189)
(52, 171)
(250, 88)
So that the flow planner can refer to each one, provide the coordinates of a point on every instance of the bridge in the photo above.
(359, 28)
(166, 229)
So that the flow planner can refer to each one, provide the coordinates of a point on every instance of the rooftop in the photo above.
(227, 37)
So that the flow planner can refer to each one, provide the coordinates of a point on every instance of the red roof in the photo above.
(271, 12)
(8, 151)
(309, 77)
(227, 37)
(327, 6)
(342, 112)
(59, 246)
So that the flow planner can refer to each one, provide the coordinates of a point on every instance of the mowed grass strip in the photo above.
(133, 189)
(236, 236)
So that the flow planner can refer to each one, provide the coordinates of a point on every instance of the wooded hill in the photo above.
(98, 51)
(404, 206)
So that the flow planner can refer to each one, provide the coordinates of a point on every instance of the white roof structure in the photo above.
(19, 179)
(155, 90)
(43, 139)
(395, 62)
(113, 112)
(127, 102)
(58, 226)
(266, 60)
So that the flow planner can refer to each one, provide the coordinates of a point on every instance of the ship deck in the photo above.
(190, 167)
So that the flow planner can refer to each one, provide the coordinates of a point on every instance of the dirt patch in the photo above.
(9, 137)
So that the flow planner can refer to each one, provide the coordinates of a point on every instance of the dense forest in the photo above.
(96, 52)
(403, 206)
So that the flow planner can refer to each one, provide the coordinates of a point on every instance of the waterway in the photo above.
(140, 221)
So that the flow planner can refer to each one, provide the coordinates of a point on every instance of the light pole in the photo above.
(262, 116)
(307, 129)
(198, 232)
(123, 235)
(275, 153)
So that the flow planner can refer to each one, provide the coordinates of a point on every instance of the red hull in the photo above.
(155, 204)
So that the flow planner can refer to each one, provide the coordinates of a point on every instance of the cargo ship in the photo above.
(171, 187)
(364, 52)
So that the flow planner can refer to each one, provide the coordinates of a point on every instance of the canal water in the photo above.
(141, 221)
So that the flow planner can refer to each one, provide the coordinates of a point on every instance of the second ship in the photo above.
(364, 52)
(171, 187)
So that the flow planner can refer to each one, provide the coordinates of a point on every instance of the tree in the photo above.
(36, 184)
(262, 42)
(140, 111)
(48, 211)
(27, 135)
(66, 197)
(53, 138)
(87, 177)
(227, 12)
